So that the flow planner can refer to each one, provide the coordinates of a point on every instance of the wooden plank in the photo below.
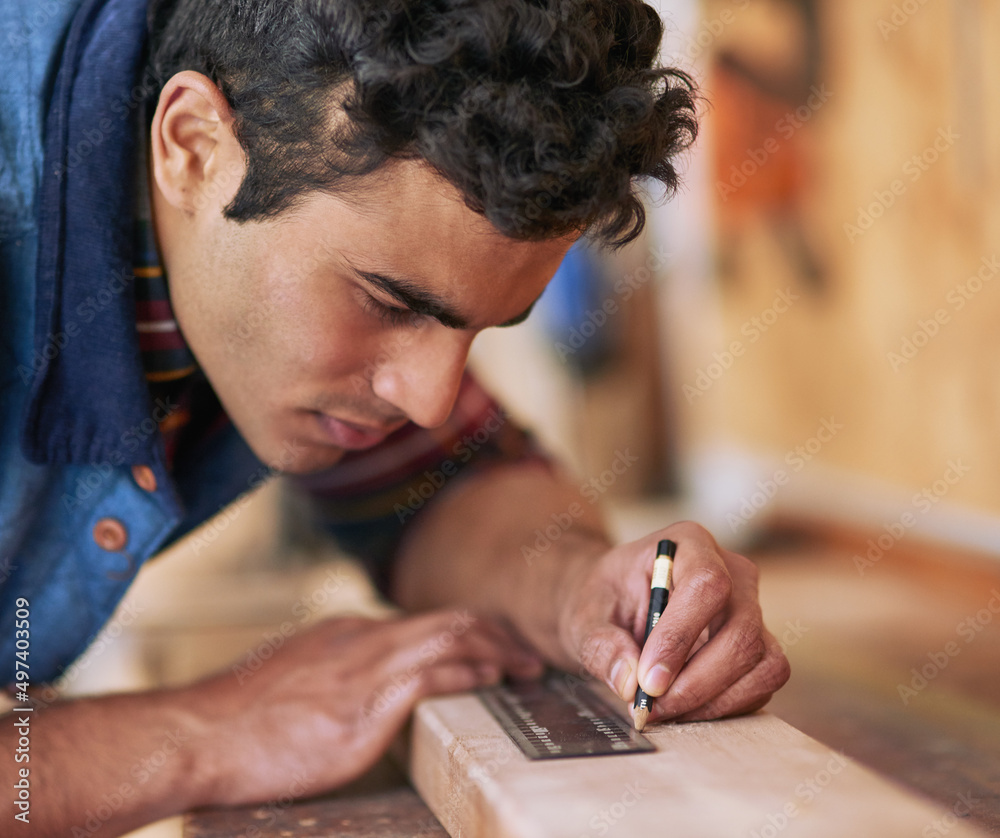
(855, 635)
(754, 777)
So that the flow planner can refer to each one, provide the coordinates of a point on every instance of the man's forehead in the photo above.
(408, 186)
(417, 241)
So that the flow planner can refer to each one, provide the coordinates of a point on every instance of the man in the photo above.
(338, 196)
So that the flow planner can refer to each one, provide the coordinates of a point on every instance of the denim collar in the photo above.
(90, 392)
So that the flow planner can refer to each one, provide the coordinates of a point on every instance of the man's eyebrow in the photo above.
(421, 301)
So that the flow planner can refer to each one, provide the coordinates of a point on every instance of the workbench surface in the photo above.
(394, 813)
(854, 633)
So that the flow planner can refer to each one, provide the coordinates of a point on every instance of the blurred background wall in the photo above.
(819, 336)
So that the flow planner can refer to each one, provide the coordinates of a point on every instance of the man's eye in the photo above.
(389, 314)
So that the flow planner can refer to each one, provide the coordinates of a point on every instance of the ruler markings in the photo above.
(559, 717)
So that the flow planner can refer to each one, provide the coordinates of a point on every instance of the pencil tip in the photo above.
(639, 717)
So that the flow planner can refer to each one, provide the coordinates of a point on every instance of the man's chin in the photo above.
(296, 456)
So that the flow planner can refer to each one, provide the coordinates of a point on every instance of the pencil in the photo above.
(659, 593)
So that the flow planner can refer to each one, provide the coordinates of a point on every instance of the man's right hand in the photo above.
(318, 713)
(329, 702)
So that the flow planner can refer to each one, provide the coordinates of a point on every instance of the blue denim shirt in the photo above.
(76, 417)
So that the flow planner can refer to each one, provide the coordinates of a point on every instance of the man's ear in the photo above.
(197, 161)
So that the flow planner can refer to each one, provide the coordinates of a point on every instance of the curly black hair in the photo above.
(543, 113)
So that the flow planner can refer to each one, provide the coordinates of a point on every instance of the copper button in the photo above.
(144, 478)
(111, 535)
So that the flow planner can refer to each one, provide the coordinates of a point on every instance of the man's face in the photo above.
(327, 328)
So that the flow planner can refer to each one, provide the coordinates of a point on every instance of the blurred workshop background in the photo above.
(802, 353)
(819, 337)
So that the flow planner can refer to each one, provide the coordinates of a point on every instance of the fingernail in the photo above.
(619, 677)
(657, 680)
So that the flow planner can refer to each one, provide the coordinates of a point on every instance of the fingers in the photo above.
(592, 625)
(460, 636)
(435, 654)
(749, 693)
(346, 687)
(524, 661)
(703, 590)
(735, 647)
(463, 636)
(740, 666)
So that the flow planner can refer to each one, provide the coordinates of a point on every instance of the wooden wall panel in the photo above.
(913, 106)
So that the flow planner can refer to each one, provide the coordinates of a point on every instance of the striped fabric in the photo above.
(165, 355)
(169, 366)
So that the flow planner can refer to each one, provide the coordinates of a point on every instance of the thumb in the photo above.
(611, 654)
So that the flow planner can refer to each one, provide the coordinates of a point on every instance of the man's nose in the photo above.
(423, 380)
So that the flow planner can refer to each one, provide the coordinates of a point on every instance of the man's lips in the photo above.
(349, 435)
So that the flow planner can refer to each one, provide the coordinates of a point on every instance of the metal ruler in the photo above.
(560, 717)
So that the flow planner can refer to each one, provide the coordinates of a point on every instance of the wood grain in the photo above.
(855, 638)
(754, 776)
